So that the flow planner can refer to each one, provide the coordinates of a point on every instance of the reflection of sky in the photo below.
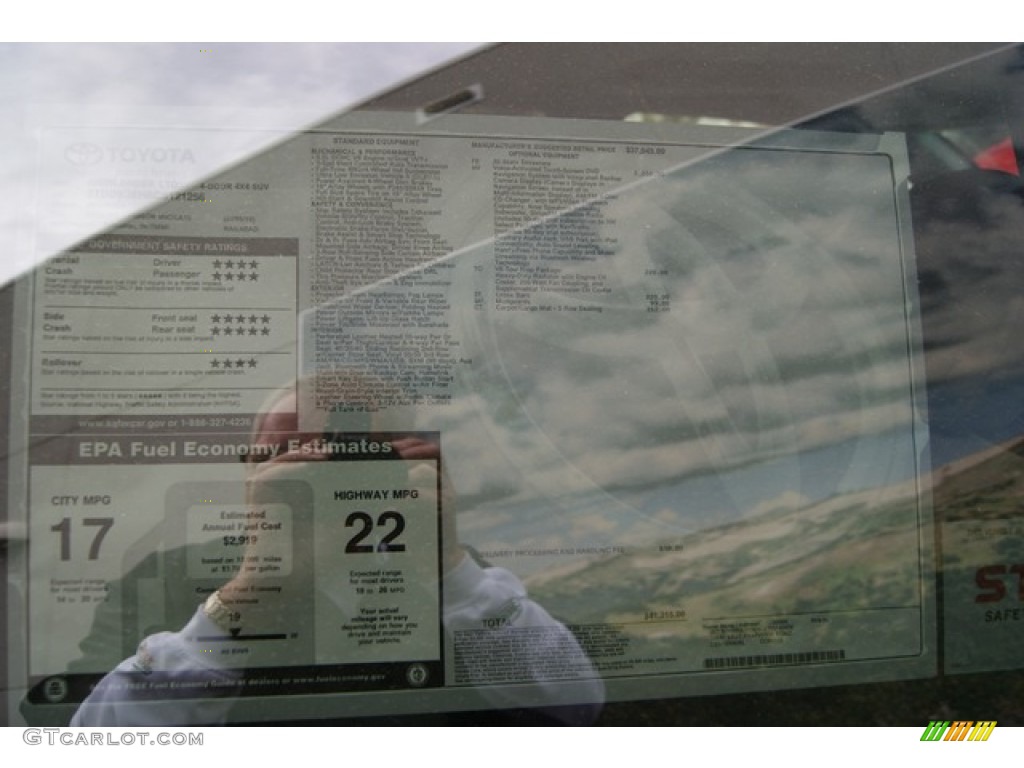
(122, 103)
(968, 240)
(779, 379)
(786, 336)
(781, 370)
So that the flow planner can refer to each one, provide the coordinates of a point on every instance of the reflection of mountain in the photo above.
(984, 486)
(850, 552)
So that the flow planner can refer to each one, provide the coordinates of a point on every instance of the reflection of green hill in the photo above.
(846, 553)
(987, 485)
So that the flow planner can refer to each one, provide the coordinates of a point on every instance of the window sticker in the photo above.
(675, 373)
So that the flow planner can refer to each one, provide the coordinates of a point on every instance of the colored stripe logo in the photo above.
(958, 730)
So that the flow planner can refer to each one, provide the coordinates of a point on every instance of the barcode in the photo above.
(773, 659)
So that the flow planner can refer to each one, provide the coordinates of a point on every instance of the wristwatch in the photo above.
(217, 612)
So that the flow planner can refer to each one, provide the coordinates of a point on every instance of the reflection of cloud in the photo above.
(972, 300)
(233, 100)
(584, 526)
(787, 330)
(787, 500)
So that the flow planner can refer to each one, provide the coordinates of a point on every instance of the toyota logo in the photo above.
(83, 153)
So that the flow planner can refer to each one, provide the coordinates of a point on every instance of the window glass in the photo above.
(490, 405)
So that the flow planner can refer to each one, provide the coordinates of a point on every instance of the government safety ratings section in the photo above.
(164, 325)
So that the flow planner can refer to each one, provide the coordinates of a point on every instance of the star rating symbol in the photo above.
(226, 324)
(227, 363)
(232, 270)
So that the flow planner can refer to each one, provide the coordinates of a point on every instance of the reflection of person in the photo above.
(498, 634)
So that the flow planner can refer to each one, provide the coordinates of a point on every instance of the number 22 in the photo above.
(365, 522)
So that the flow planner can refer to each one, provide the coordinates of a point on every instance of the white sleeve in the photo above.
(166, 672)
(510, 650)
